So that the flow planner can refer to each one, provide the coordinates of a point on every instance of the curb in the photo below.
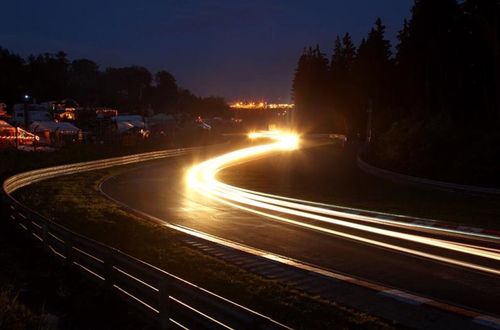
(484, 320)
(450, 226)
(476, 318)
(406, 179)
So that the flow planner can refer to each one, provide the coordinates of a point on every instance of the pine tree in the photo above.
(482, 47)
(310, 89)
(428, 57)
(373, 74)
(343, 94)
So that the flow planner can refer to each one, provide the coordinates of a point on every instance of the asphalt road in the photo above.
(160, 190)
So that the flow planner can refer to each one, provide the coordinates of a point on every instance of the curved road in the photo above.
(160, 190)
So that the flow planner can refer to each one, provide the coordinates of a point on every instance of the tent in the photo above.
(6, 127)
(126, 124)
(8, 136)
(136, 121)
(63, 128)
(56, 133)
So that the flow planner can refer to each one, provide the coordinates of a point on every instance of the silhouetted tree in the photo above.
(51, 77)
(165, 93)
(125, 87)
(482, 53)
(310, 90)
(84, 82)
(342, 89)
(12, 77)
(46, 77)
(374, 79)
(429, 57)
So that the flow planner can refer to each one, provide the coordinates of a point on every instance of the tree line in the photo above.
(446, 65)
(132, 89)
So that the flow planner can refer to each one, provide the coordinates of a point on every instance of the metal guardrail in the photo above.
(167, 300)
(407, 179)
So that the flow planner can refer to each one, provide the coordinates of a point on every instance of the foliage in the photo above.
(14, 315)
(447, 62)
(435, 149)
(437, 95)
(132, 89)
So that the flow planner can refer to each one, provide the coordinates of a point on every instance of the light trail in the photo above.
(202, 178)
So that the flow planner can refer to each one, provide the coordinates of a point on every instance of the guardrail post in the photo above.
(9, 209)
(108, 269)
(164, 303)
(26, 221)
(45, 235)
(68, 244)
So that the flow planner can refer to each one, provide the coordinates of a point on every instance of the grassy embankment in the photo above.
(330, 175)
(75, 202)
(437, 149)
(35, 291)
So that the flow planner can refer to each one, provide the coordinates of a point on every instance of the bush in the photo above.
(439, 149)
(14, 315)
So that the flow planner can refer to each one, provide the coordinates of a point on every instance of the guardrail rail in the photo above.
(167, 300)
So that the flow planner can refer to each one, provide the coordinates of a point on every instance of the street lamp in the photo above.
(369, 123)
(26, 99)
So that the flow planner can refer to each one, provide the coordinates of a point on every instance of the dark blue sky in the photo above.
(234, 48)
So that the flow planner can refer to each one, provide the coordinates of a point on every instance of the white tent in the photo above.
(136, 120)
(125, 123)
(124, 126)
(6, 126)
(52, 126)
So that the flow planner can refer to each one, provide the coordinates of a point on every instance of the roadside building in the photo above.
(56, 134)
(131, 128)
(65, 110)
(3, 112)
(7, 135)
(161, 124)
(12, 137)
(25, 114)
(105, 125)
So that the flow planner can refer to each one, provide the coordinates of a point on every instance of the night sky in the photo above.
(237, 49)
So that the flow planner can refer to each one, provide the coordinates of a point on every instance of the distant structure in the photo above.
(263, 115)
(260, 106)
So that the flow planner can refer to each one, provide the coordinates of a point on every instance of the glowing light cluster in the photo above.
(22, 135)
(260, 105)
(314, 216)
(23, 138)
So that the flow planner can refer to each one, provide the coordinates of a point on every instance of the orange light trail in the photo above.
(202, 178)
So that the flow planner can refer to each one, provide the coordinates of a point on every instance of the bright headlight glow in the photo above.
(201, 179)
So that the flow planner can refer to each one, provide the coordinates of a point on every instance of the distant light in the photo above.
(202, 179)
(26, 96)
(260, 106)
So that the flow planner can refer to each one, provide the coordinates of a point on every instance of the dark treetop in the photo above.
(235, 49)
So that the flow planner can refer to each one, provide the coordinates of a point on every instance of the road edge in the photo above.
(478, 318)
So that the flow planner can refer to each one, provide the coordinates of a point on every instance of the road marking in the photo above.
(469, 229)
(488, 321)
(405, 297)
(384, 217)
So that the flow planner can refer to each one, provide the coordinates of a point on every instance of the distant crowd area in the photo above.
(48, 101)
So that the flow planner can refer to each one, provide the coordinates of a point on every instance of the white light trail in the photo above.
(202, 179)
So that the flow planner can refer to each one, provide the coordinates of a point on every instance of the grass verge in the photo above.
(330, 175)
(38, 292)
(75, 202)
